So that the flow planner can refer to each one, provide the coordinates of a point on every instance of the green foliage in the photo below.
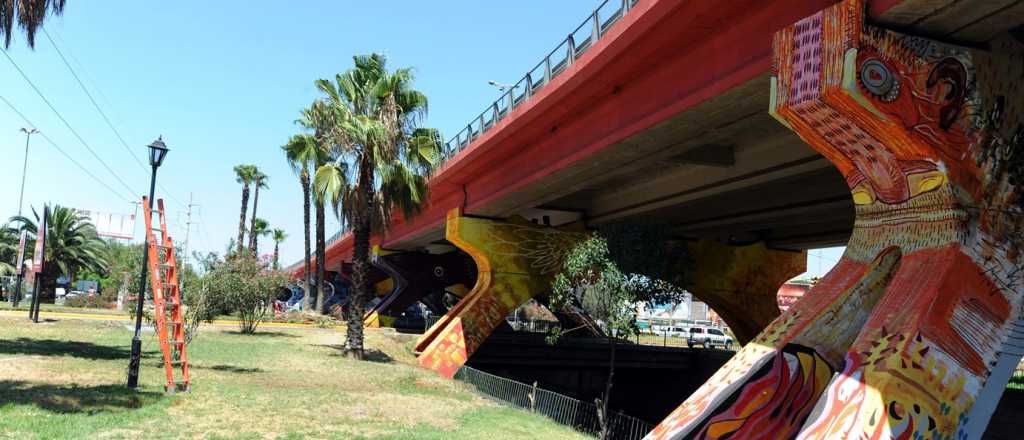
(592, 280)
(245, 287)
(198, 307)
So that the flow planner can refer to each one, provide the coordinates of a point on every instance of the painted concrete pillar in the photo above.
(515, 260)
(416, 275)
(741, 283)
(915, 331)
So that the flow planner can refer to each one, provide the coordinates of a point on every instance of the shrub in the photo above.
(245, 287)
(86, 301)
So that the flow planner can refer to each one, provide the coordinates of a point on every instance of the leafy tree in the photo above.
(244, 286)
(278, 235)
(259, 180)
(71, 245)
(29, 15)
(244, 174)
(590, 280)
(380, 160)
(303, 153)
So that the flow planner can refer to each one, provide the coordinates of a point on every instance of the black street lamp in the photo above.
(157, 152)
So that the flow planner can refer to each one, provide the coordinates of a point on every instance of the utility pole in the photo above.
(188, 230)
(24, 168)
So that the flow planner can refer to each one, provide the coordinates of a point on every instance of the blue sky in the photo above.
(223, 83)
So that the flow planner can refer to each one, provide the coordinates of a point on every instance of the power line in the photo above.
(66, 124)
(99, 109)
(58, 148)
(93, 101)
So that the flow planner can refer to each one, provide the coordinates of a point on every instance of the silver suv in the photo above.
(708, 338)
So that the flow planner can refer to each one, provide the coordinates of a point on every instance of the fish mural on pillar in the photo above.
(741, 283)
(914, 333)
(417, 275)
(515, 260)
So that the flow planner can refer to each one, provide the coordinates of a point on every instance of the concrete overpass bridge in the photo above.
(759, 129)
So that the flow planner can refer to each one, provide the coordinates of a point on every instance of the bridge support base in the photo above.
(515, 261)
(741, 283)
(912, 334)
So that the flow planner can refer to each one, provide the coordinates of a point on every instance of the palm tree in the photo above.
(244, 174)
(259, 180)
(9, 238)
(303, 153)
(71, 245)
(278, 235)
(260, 228)
(381, 161)
(30, 15)
(312, 118)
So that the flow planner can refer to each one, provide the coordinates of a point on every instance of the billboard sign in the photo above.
(119, 226)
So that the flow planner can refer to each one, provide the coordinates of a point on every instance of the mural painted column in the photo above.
(912, 334)
(741, 283)
(515, 260)
(416, 275)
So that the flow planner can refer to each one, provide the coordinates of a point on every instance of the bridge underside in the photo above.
(902, 310)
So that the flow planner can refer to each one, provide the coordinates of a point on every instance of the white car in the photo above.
(708, 338)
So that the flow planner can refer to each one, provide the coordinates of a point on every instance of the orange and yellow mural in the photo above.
(516, 260)
(905, 337)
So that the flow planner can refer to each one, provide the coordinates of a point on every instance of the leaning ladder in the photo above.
(163, 272)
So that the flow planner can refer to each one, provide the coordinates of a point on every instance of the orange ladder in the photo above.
(163, 272)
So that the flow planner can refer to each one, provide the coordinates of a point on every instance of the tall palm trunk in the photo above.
(321, 258)
(304, 179)
(241, 218)
(253, 245)
(277, 245)
(361, 230)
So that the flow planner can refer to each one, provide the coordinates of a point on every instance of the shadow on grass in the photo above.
(264, 334)
(226, 368)
(53, 347)
(74, 399)
(370, 355)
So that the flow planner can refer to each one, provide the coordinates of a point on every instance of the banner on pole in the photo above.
(20, 268)
(37, 257)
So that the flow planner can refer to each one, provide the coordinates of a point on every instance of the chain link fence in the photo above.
(580, 415)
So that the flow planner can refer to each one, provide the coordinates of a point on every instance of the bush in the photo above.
(86, 301)
(198, 309)
(245, 287)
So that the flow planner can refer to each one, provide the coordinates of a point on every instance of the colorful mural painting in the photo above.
(418, 276)
(741, 283)
(515, 260)
(910, 329)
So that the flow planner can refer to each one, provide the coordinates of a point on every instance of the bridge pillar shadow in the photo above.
(915, 332)
(417, 277)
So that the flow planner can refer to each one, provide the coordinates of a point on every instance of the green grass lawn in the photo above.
(65, 379)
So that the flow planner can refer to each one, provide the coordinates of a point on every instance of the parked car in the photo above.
(708, 338)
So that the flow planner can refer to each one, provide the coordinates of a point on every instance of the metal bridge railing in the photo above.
(557, 61)
(579, 415)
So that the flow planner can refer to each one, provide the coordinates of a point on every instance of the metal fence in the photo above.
(580, 415)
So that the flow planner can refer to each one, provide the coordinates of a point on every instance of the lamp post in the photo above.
(157, 152)
(24, 167)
